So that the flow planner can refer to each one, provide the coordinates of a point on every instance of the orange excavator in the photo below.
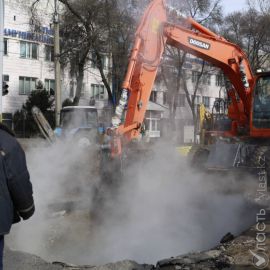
(247, 132)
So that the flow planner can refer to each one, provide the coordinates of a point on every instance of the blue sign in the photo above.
(45, 36)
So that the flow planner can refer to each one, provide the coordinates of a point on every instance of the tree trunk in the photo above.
(195, 123)
(103, 77)
(116, 82)
(79, 78)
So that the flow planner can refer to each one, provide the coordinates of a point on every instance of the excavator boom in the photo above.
(153, 34)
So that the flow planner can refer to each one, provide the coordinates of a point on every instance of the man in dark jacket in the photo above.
(16, 195)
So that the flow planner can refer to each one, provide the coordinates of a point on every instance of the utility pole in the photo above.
(2, 14)
(57, 69)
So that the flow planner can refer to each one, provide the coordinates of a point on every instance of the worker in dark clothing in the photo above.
(1, 251)
(16, 195)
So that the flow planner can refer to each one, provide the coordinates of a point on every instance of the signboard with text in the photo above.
(45, 35)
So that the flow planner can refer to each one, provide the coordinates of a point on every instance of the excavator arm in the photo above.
(153, 33)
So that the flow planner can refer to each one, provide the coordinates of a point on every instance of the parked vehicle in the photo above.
(79, 123)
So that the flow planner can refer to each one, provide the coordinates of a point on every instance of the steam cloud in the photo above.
(163, 208)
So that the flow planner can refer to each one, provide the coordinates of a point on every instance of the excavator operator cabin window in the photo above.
(261, 105)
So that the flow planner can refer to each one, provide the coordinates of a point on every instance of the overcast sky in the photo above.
(233, 5)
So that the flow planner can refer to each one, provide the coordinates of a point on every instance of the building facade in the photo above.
(28, 57)
(27, 54)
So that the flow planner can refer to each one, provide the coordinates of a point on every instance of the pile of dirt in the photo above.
(233, 255)
(15, 260)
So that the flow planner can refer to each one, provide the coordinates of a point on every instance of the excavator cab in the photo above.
(261, 102)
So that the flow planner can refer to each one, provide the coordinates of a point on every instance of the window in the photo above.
(72, 89)
(206, 79)
(219, 80)
(5, 46)
(165, 98)
(181, 99)
(261, 106)
(26, 85)
(7, 119)
(49, 53)
(153, 96)
(195, 76)
(197, 99)
(28, 50)
(78, 117)
(97, 91)
(206, 101)
(49, 85)
(83, 90)
(152, 123)
(6, 78)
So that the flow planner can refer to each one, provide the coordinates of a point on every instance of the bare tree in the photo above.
(82, 38)
(208, 13)
(261, 5)
(91, 29)
(106, 28)
(250, 30)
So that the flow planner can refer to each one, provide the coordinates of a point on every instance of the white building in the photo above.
(25, 57)
(28, 57)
